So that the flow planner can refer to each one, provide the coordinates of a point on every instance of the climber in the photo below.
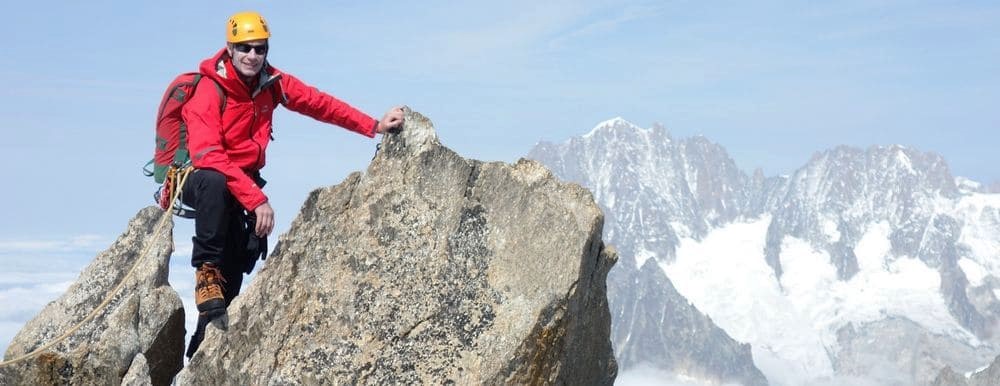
(228, 137)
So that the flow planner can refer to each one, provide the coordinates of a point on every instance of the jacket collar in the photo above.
(220, 67)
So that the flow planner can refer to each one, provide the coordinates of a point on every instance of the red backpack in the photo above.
(171, 153)
(171, 131)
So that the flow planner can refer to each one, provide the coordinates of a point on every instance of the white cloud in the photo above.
(25, 292)
(29, 260)
(10, 279)
(7, 332)
(647, 375)
(85, 242)
(30, 292)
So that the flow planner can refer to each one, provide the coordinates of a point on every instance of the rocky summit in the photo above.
(138, 335)
(426, 268)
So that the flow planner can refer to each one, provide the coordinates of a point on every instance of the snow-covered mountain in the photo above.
(654, 189)
(834, 270)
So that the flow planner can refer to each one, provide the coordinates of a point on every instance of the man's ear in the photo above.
(229, 49)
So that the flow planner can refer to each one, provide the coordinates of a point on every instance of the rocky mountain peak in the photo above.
(833, 199)
(426, 268)
(686, 185)
(848, 171)
(655, 190)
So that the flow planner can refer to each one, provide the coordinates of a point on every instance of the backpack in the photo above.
(171, 131)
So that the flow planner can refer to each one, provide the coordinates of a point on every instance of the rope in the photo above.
(183, 174)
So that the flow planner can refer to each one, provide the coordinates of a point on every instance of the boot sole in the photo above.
(212, 306)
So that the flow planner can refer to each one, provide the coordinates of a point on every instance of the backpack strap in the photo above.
(147, 170)
(183, 156)
(222, 94)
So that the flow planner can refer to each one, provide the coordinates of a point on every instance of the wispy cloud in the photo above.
(505, 38)
(463, 40)
(79, 243)
(25, 289)
(605, 25)
(25, 259)
(37, 271)
(30, 293)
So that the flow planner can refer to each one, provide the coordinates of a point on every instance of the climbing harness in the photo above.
(166, 200)
(181, 176)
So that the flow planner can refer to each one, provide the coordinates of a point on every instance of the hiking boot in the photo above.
(208, 290)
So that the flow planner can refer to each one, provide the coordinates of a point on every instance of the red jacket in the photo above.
(234, 141)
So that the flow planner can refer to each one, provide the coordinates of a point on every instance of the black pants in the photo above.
(222, 236)
(221, 232)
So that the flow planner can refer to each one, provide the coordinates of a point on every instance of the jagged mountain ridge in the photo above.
(630, 166)
(832, 204)
(839, 191)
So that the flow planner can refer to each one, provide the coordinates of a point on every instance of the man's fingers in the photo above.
(265, 220)
(263, 228)
(268, 225)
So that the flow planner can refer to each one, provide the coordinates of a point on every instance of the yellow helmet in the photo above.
(246, 26)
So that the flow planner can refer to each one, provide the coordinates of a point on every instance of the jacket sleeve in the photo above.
(205, 133)
(307, 100)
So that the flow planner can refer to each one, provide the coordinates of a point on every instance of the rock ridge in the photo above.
(426, 268)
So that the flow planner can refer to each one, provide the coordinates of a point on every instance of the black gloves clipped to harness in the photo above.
(256, 246)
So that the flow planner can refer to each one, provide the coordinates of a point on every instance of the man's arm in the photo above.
(307, 100)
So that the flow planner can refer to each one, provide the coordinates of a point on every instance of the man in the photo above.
(228, 140)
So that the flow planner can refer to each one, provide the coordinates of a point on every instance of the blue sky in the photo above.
(772, 81)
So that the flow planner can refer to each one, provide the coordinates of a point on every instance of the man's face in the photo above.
(248, 57)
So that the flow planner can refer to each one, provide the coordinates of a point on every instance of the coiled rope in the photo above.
(181, 177)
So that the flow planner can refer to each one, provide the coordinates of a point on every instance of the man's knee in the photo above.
(206, 191)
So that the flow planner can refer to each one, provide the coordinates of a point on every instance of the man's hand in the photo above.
(265, 220)
(391, 120)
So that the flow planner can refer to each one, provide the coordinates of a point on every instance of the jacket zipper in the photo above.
(253, 130)
(253, 122)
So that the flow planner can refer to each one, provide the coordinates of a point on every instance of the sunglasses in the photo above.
(245, 48)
